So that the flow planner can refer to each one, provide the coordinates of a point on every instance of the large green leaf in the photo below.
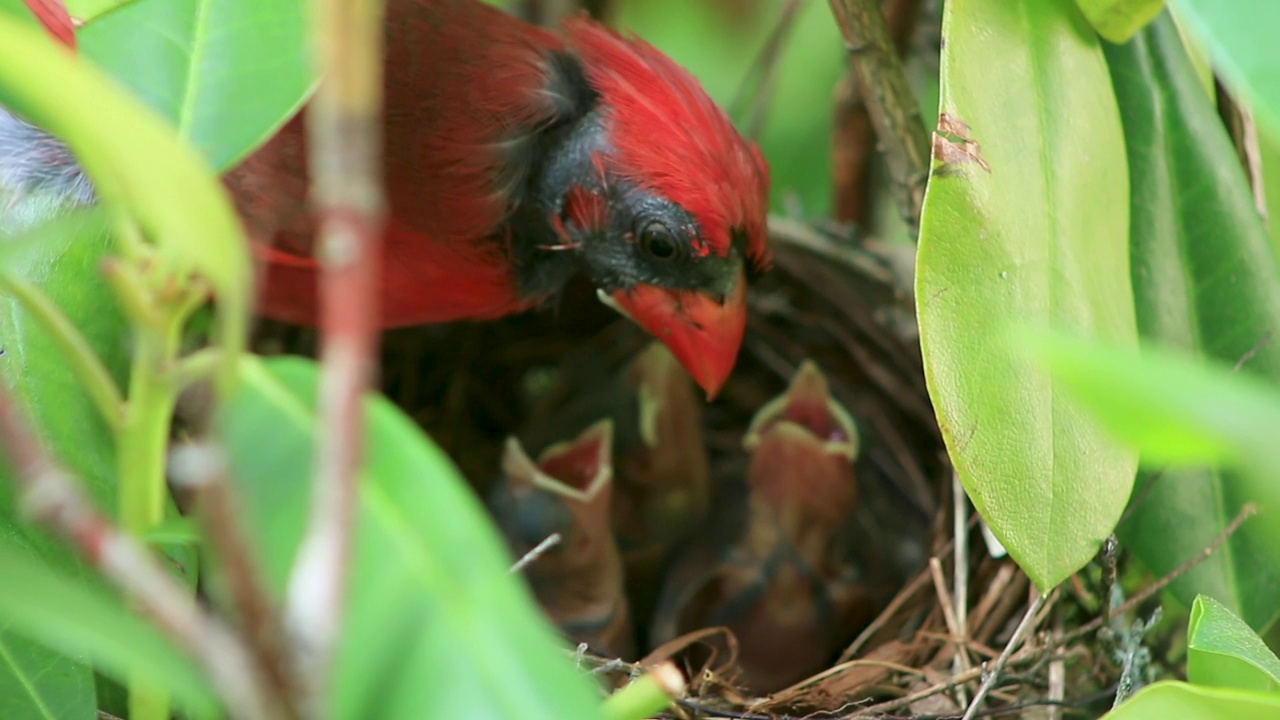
(83, 619)
(88, 10)
(18, 10)
(436, 626)
(1270, 156)
(1240, 38)
(1169, 700)
(61, 260)
(40, 684)
(137, 162)
(1026, 219)
(1224, 652)
(1119, 20)
(1204, 281)
(1179, 412)
(226, 73)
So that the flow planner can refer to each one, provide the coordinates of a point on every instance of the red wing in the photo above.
(468, 89)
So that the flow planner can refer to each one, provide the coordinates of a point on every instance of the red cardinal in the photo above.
(516, 157)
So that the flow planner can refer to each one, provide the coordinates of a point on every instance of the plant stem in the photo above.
(142, 442)
(52, 496)
(144, 439)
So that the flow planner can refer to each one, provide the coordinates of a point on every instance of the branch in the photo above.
(51, 496)
(990, 677)
(895, 115)
(853, 139)
(345, 145)
(203, 469)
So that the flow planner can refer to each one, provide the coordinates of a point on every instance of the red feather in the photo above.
(53, 15)
(444, 171)
(700, 162)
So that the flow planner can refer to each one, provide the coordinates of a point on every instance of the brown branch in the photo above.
(203, 469)
(52, 496)
(344, 136)
(853, 139)
(895, 115)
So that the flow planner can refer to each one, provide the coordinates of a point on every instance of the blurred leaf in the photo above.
(62, 259)
(82, 618)
(436, 624)
(1119, 20)
(88, 10)
(1179, 412)
(1222, 651)
(18, 10)
(1028, 223)
(40, 684)
(1170, 699)
(225, 73)
(1270, 152)
(1241, 40)
(174, 530)
(1204, 281)
(137, 163)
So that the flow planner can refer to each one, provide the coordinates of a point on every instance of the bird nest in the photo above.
(935, 605)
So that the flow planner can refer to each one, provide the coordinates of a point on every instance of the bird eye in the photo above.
(658, 241)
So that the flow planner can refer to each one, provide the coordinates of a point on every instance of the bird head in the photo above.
(663, 201)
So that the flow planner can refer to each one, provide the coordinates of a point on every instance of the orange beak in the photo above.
(703, 332)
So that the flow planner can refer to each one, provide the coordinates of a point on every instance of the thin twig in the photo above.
(761, 78)
(960, 579)
(345, 153)
(895, 115)
(203, 468)
(989, 681)
(1246, 512)
(536, 552)
(52, 496)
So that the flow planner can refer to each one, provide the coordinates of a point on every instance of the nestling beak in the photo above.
(702, 331)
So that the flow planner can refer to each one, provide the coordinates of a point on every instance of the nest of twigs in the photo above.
(941, 617)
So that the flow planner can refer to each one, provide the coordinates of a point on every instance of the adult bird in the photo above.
(515, 157)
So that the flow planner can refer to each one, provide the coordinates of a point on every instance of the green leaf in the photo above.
(62, 259)
(1119, 20)
(225, 73)
(1205, 282)
(1270, 155)
(38, 683)
(1027, 223)
(1223, 651)
(83, 619)
(1240, 39)
(1178, 412)
(138, 165)
(18, 10)
(1168, 700)
(436, 624)
(88, 10)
